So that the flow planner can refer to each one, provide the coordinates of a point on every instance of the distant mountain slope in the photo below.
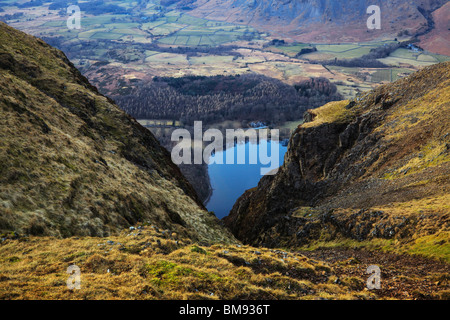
(73, 163)
(438, 40)
(321, 21)
(375, 167)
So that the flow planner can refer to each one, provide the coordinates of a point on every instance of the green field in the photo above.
(55, 23)
(346, 70)
(344, 51)
(294, 48)
(330, 51)
(210, 60)
(397, 72)
(169, 28)
(122, 25)
(168, 58)
(185, 38)
(405, 56)
(440, 57)
(382, 76)
(183, 30)
(106, 35)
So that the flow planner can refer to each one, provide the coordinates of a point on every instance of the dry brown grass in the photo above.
(147, 263)
(332, 112)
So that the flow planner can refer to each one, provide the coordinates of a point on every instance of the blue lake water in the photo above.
(230, 181)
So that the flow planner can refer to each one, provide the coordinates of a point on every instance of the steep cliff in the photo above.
(73, 163)
(375, 167)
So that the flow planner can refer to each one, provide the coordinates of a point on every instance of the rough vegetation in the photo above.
(73, 163)
(148, 263)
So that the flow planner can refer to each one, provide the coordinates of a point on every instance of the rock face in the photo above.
(377, 166)
(73, 163)
(317, 21)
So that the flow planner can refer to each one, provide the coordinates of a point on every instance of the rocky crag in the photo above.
(372, 169)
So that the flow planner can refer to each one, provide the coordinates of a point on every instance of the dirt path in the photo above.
(402, 276)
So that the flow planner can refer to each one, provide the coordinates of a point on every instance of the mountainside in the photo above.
(438, 40)
(322, 21)
(73, 163)
(376, 167)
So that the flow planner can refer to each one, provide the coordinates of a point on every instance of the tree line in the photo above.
(214, 99)
(368, 60)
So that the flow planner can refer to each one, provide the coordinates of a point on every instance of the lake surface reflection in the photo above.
(229, 181)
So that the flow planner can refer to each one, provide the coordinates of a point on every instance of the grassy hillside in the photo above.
(73, 163)
(149, 263)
